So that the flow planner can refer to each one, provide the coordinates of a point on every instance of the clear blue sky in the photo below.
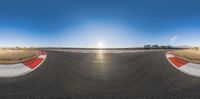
(84, 23)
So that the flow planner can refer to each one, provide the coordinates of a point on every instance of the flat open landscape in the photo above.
(12, 56)
(88, 75)
(190, 55)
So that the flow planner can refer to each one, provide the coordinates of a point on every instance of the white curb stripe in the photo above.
(42, 56)
(189, 68)
(169, 55)
(14, 70)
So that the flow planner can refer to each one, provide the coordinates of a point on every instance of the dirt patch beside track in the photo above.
(190, 55)
(12, 56)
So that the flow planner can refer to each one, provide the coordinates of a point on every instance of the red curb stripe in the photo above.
(33, 63)
(177, 61)
(42, 53)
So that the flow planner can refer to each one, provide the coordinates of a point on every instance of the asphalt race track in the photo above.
(70, 75)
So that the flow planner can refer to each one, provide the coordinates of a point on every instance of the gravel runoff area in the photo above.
(13, 56)
(190, 55)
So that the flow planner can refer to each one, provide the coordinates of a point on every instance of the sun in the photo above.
(100, 45)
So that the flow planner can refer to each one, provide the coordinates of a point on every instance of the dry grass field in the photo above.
(191, 55)
(12, 56)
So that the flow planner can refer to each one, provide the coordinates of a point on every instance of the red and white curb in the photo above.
(14, 70)
(184, 66)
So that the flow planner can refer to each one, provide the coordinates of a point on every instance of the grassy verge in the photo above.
(13, 56)
(190, 55)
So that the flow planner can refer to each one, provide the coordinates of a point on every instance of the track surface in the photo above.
(103, 76)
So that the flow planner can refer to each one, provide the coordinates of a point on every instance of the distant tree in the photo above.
(196, 48)
(168, 47)
(155, 46)
(163, 47)
(147, 46)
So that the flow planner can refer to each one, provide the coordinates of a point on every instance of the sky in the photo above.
(85, 23)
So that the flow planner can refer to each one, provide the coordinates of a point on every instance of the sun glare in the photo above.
(100, 45)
